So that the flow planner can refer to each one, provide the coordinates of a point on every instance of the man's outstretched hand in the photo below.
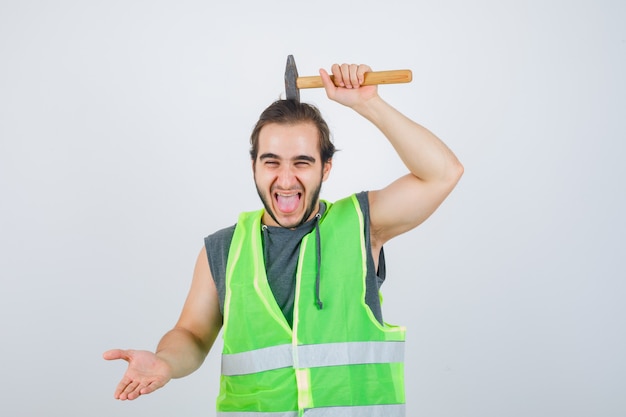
(146, 373)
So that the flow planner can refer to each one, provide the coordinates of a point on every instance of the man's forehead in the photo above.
(305, 126)
(288, 140)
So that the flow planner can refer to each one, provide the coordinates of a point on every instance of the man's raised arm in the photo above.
(433, 169)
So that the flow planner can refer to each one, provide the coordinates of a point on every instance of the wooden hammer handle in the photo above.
(369, 78)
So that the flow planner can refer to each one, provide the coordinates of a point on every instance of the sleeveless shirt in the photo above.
(281, 248)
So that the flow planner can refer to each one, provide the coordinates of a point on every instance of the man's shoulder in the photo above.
(364, 202)
(361, 197)
(221, 236)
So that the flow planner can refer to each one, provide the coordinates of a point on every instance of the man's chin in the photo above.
(289, 221)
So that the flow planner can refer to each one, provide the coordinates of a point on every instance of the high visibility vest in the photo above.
(335, 361)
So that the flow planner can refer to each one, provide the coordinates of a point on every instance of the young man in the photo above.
(294, 286)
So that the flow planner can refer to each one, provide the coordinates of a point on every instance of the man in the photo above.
(295, 285)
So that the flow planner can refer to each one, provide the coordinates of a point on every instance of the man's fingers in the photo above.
(337, 74)
(135, 393)
(354, 78)
(349, 75)
(114, 354)
(328, 84)
(128, 390)
(325, 77)
(111, 354)
(361, 70)
(151, 387)
(136, 389)
(120, 390)
(346, 76)
(132, 386)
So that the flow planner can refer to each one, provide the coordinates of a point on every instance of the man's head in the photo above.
(291, 154)
(291, 112)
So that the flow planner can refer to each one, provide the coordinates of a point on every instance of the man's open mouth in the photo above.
(287, 203)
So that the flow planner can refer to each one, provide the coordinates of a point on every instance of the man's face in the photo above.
(288, 173)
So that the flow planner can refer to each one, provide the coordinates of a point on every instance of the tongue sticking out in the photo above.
(287, 204)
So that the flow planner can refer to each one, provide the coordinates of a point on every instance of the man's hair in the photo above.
(291, 112)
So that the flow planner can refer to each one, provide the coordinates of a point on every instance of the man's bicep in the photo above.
(402, 206)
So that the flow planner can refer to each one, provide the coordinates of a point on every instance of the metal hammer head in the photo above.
(291, 77)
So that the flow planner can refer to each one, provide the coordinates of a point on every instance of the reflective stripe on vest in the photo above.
(259, 360)
(390, 410)
(387, 410)
(312, 356)
(256, 414)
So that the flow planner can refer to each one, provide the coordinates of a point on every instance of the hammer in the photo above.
(293, 83)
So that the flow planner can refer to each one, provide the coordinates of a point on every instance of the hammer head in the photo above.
(291, 77)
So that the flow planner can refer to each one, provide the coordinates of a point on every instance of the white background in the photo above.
(123, 142)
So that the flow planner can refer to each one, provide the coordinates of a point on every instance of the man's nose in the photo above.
(286, 177)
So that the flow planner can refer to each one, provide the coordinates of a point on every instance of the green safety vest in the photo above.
(335, 361)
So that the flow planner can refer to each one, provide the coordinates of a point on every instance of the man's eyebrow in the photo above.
(304, 158)
(270, 155)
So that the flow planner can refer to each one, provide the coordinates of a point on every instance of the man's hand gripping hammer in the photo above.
(293, 83)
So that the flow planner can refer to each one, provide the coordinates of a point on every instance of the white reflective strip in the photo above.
(312, 356)
(265, 359)
(256, 414)
(350, 353)
(387, 410)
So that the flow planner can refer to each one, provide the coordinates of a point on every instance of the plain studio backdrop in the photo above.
(124, 132)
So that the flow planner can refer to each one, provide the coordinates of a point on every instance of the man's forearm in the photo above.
(182, 351)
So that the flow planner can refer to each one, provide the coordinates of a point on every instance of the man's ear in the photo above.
(326, 169)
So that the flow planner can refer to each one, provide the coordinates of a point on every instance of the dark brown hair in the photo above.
(289, 112)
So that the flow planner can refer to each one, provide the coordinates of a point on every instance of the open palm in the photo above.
(146, 373)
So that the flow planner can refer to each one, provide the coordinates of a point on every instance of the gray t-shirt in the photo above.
(281, 248)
